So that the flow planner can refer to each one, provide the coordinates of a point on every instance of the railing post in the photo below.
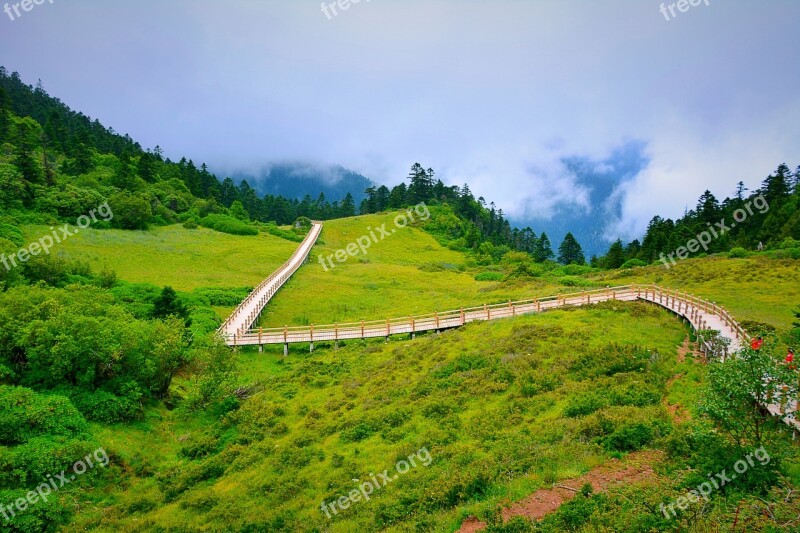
(362, 330)
(488, 312)
(437, 321)
(538, 305)
(463, 318)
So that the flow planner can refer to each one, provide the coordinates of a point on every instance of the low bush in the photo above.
(738, 253)
(633, 263)
(228, 224)
(489, 276)
(25, 414)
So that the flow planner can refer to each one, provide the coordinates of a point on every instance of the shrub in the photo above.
(131, 211)
(634, 263)
(629, 438)
(190, 223)
(358, 432)
(199, 447)
(102, 406)
(13, 234)
(228, 224)
(576, 270)
(283, 234)
(738, 253)
(574, 281)
(51, 269)
(25, 414)
(489, 276)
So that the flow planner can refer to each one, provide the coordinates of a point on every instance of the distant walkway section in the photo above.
(248, 312)
(701, 314)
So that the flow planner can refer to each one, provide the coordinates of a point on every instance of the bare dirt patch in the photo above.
(635, 468)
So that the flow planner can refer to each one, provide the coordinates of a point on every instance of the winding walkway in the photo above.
(238, 329)
(248, 312)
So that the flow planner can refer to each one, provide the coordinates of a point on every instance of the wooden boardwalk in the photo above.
(248, 312)
(702, 314)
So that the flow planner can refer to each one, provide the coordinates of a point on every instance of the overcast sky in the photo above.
(501, 94)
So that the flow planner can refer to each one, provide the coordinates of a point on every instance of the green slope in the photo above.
(407, 272)
(487, 401)
(172, 255)
(757, 288)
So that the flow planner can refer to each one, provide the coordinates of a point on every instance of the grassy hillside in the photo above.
(410, 273)
(496, 427)
(182, 258)
(503, 408)
(757, 288)
(407, 272)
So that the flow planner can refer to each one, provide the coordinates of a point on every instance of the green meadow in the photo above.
(496, 426)
(757, 288)
(503, 408)
(405, 273)
(182, 258)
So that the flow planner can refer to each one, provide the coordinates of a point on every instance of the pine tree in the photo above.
(740, 190)
(348, 207)
(229, 192)
(382, 198)
(615, 257)
(543, 250)
(370, 203)
(776, 187)
(5, 110)
(124, 178)
(168, 304)
(633, 249)
(570, 252)
(796, 181)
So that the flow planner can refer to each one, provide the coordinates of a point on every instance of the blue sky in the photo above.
(545, 107)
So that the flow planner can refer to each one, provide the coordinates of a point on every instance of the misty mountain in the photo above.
(295, 180)
(601, 180)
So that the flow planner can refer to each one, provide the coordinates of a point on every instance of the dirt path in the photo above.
(636, 467)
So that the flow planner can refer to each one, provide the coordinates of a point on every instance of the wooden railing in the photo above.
(248, 312)
(702, 314)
